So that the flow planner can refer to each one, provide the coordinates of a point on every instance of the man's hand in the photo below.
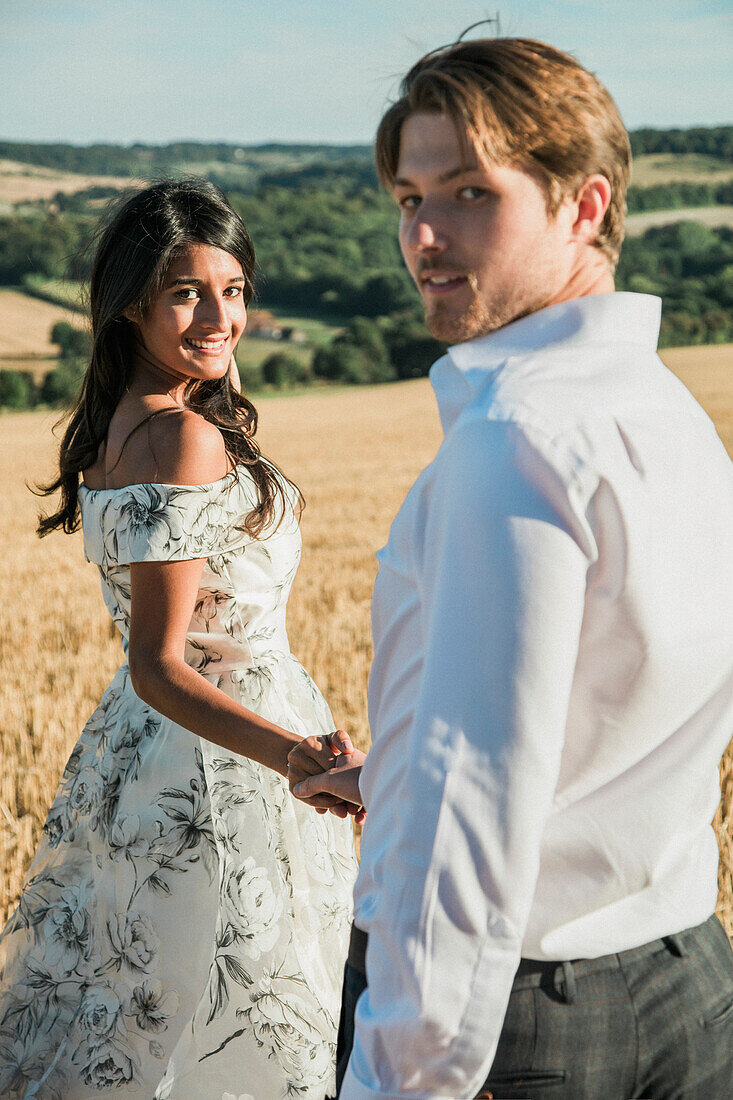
(340, 782)
(312, 758)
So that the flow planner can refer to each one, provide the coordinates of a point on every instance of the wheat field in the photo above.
(21, 182)
(26, 323)
(354, 453)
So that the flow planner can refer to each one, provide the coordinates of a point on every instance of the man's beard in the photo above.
(480, 318)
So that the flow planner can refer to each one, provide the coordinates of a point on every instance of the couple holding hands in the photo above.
(549, 700)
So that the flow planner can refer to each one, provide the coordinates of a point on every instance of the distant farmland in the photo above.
(712, 216)
(25, 331)
(30, 183)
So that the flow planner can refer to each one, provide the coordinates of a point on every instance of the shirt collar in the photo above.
(616, 318)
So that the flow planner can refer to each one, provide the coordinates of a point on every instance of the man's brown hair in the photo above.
(521, 102)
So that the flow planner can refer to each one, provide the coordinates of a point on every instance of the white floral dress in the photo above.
(183, 927)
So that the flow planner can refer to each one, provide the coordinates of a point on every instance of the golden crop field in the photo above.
(25, 330)
(711, 216)
(354, 453)
(652, 168)
(30, 182)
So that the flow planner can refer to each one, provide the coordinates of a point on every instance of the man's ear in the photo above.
(591, 201)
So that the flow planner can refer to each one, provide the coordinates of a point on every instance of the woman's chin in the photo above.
(208, 371)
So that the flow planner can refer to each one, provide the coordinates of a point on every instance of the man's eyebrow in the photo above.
(190, 281)
(444, 177)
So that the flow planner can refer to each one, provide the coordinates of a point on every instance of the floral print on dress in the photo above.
(183, 927)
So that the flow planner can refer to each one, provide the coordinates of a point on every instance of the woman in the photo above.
(183, 927)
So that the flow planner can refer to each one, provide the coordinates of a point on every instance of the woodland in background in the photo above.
(325, 236)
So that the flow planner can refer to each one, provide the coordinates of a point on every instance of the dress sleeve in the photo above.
(166, 522)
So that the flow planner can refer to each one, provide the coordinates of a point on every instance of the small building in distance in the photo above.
(263, 325)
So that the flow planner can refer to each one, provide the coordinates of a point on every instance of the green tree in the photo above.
(282, 369)
(250, 376)
(344, 362)
(412, 349)
(17, 389)
(61, 386)
(365, 333)
(75, 343)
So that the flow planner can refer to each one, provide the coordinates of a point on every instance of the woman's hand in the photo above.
(313, 758)
(341, 782)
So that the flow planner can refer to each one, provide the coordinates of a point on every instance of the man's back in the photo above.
(580, 701)
(628, 852)
(616, 443)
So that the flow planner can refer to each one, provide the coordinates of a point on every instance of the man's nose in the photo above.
(426, 233)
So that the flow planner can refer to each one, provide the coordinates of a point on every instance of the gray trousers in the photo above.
(655, 1022)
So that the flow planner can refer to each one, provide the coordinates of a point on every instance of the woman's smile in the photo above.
(193, 325)
(208, 345)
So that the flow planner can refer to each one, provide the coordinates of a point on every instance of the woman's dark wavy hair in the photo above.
(133, 252)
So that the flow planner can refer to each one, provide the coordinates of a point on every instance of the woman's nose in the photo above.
(213, 312)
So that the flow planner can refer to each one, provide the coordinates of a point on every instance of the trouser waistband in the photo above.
(540, 971)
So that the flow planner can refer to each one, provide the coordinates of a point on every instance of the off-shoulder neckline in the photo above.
(233, 474)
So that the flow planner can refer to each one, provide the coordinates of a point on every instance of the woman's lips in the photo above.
(206, 346)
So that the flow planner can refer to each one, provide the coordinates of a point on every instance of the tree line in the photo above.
(711, 141)
(326, 242)
(256, 161)
(689, 265)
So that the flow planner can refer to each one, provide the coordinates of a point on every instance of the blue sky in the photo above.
(250, 71)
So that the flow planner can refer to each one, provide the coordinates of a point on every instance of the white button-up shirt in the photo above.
(551, 691)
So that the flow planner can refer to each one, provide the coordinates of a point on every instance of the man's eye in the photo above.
(409, 202)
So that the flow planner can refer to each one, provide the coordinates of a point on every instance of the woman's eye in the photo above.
(471, 192)
(409, 202)
(187, 294)
(233, 291)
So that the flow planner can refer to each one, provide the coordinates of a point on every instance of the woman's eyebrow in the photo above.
(189, 280)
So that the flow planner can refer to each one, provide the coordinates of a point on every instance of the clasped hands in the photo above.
(324, 773)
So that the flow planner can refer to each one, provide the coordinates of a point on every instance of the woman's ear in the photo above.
(132, 313)
(234, 378)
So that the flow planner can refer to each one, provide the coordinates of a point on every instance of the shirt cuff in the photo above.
(353, 1089)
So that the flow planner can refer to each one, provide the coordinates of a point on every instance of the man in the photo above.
(551, 690)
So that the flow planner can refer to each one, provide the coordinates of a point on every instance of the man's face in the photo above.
(477, 240)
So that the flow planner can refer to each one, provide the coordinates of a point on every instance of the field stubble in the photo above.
(354, 453)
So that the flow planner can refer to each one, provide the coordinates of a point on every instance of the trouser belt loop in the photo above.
(565, 982)
(676, 944)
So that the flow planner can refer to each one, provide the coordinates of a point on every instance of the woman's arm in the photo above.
(188, 450)
(163, 599)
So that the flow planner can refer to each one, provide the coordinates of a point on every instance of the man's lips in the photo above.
(441, 282)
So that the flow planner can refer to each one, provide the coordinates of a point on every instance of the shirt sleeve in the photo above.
(501, 570)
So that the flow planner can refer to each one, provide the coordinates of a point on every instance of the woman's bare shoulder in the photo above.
(168, 445)
(186, 449)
